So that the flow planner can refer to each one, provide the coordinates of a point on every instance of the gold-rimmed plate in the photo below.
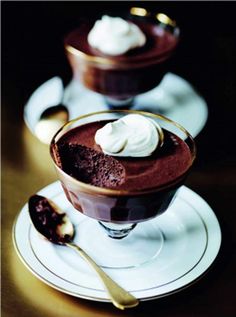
(192, 239)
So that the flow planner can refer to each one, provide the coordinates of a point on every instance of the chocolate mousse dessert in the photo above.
(139, 165)
(84, 160)
(120, 58)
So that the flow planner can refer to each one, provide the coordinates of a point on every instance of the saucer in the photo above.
(174, 97)
(192, 239)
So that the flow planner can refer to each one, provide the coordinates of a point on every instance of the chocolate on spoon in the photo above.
(55, 225)
(49, 220)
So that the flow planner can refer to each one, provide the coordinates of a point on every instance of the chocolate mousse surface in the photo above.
(160, 42)
(80, 157)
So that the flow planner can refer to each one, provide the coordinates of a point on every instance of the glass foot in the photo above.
(117, 231)
(140, 246)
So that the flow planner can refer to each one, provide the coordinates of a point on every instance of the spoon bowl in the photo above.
(49, 220)
(50, 122)
(54, 224)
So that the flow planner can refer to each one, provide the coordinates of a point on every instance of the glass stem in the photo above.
(117, 231)
(119, 104)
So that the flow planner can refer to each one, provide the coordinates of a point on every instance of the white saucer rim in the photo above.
(127, 268)
(102, 299)
(202, 105)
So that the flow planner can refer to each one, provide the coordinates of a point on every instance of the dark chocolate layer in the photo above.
(91, 166)
(83, 159)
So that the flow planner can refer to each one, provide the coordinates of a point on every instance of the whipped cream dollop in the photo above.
(133, 135)
(115, 36)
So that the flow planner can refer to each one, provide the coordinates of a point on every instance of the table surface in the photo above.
(33, 52)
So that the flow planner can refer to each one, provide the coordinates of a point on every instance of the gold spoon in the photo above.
(50, 122)
(55, 225)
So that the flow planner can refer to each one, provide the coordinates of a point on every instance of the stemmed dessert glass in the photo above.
(121, 78)
(123, 243)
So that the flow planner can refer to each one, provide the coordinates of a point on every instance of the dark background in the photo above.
(32, 52)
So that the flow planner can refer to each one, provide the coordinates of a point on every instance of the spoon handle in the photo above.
(120, 298)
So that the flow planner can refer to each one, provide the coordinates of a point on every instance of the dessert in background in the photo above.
(120, 58)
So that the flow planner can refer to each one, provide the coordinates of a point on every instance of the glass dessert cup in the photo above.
(120, 78)
(119, 211)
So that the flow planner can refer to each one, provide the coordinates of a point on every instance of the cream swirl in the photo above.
(133, 135)
(115, 36)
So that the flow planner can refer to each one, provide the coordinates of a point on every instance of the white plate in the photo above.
(192, 239)
(174, 98)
